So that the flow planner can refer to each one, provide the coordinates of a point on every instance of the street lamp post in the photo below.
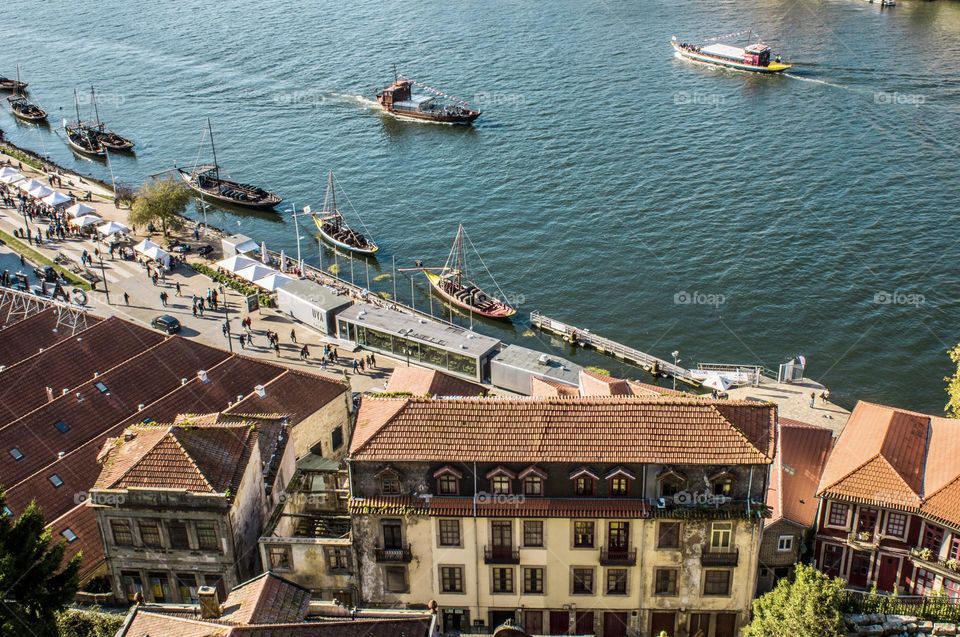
(676, 360)
(103, 274)
(226, 316)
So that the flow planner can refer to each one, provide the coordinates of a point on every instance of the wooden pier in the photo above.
(586, 338)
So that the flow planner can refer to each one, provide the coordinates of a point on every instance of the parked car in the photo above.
(204, 250)
(179, 247)
(166, 323)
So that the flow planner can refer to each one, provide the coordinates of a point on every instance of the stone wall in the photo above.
(876, 625)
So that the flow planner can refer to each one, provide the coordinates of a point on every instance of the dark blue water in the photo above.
(606, 182)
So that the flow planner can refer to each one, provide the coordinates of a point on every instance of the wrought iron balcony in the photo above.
(501, 555)
(720, 557)
(930, 562)
(395, 555)
(614, 556)
(862, 540)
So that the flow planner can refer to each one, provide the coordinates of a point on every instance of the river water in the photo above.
(735, 218)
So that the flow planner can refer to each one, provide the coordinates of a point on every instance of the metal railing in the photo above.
(714, 557)
(501, 555)
(402, 555)
(618, 556)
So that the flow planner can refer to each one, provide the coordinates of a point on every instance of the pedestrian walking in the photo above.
(243, 340)
(304, 353)
(178, 288)
(361, 365)
(22, 262)
(194, 309)
(293, 336)
(336, 355)
(155, 278)
(225, 329)
(813, 399)
(250, 339)
(126, 299)
(200, 309)
(356, 366)
(276, 348)
(163, 298)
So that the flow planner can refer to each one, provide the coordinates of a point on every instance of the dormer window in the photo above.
(584, 482)
(389, 482)
(723, 483)
(501, 481)
(618, 482)
(533, 478)
(448, 480)
(671, 483)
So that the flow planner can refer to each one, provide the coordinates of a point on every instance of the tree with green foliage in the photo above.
(88, 623)
(33, 580)
(808, 605)
(953, 385)
(160, 201)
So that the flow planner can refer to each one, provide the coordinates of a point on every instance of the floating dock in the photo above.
(586, 338)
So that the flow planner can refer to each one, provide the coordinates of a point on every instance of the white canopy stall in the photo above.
(79, 210)
(57, 199)
(236, 263)
(151, 250)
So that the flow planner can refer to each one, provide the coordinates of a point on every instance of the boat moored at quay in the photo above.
(755, 58)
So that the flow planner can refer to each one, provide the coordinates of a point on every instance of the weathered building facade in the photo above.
(608, 515)
(890, 503)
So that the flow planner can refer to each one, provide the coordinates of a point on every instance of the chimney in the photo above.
(239, 398)
(202, 375)
(60, 455)
(66, 390)
(209, 602)
(261, 390)
(49, 393)
(183, 381)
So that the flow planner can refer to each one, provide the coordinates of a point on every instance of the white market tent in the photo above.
(716, 381)
(57, 199)
(8, 170)
(255, 272)
(112, 227)
(86, 220)
(12, 178)
(79, 209)
(273, 281)
(236, 263)
(40, 192)
(27, 186)
(151, 250)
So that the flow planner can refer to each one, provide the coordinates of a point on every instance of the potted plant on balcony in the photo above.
(953, 564)
(925, 554)
(864, 536)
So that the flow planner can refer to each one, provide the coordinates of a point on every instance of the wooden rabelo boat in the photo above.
(107, 138)
(206, 181)
(22, 107)
(79, 135)
(334, 229)
(431, 105)
(10, 84)
(452, 282)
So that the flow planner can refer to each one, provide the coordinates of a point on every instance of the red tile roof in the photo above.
(675, 430)
(69, 363)
(802, 453)
(266, 606)
(201, 459)
(594, 384)
(897, 458)
(25, 338)
(82, 521)
(429, 382)
(547, 387)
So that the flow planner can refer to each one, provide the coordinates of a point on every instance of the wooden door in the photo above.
(559, 622)
(726, 625)
(584, 625)
(887, 573)
(615, 624)
(663, 622)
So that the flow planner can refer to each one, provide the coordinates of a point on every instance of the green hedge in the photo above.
(246, 289)
(21, 156)
(937, 607)
(39, 259)
(91, 623)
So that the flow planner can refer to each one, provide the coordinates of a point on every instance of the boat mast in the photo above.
(461, 257)
(76, 105)
(16, 89)
(396, 77)
(93, 98)
(331, 196)
(216, 166)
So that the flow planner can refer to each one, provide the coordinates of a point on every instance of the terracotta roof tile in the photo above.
(69, 363)
(423, 382)
(25, 338)
(547, 387)
(802, 453)
(594, 384)
(609, 429)
(266, 599)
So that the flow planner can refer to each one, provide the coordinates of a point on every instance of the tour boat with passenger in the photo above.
(429, 105)
(755, 58)
(334, 229)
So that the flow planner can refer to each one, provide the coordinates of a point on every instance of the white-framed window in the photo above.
(785, 543)
(721, 536)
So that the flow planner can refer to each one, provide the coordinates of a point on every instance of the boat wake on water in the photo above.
(817, 80)
(355, 99)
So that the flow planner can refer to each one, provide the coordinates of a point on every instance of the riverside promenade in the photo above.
(793, 400)
(144, 302)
